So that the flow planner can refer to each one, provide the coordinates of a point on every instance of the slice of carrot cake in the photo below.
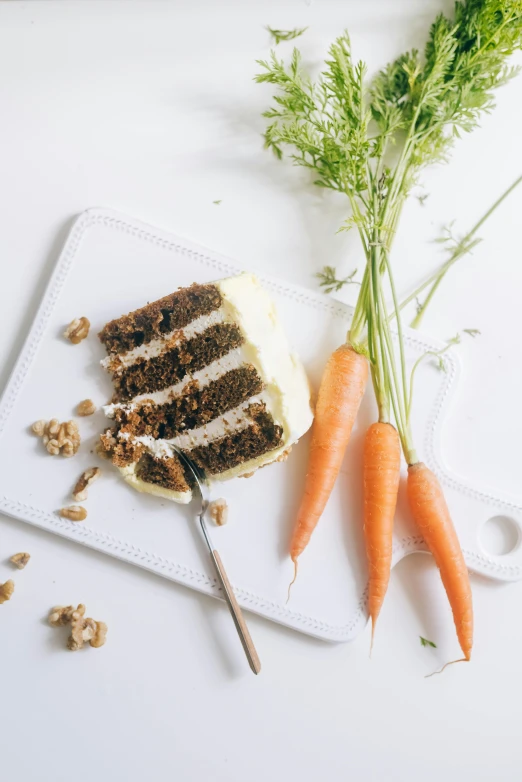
(207, 369)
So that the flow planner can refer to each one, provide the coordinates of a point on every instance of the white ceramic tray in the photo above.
(112, 264)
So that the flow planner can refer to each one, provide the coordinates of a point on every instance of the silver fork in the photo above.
(230, 598)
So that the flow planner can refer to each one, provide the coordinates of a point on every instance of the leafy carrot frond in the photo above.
(285, 35)
(323, 124)
(425, 642)
(329, 281)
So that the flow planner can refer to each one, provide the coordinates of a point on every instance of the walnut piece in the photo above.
(100, 636)
(77, 330)
(6, 591)
(83, 482)
(62, 615)
(74, 513)
(86, 407)
(53, 427)
(58, 437)
(53, 447)
(218, 511)
(82, 629)
(39, 428)
(86, 630)
(20, 560)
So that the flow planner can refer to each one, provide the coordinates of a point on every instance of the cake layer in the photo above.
(235, 359)
(174, 363)
(167, 472)
(193, 408)
(232, 421)
(240, 447)
(159, 345)
(159, 318)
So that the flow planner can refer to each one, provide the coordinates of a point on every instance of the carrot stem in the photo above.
(436, 279)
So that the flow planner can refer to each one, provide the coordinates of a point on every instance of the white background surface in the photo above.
(150, 108)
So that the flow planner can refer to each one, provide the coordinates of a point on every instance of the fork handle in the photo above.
(237, 615)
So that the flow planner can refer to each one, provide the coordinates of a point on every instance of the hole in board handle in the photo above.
(499, 535)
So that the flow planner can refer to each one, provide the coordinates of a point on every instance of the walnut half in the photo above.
(74, 513)
(58, 437)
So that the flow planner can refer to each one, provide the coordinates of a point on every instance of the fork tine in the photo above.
(198, 475)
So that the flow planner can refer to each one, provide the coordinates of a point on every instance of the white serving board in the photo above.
(112, 264)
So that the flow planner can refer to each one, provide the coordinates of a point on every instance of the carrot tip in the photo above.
(371, 641)
(292, 582)
(451, 662)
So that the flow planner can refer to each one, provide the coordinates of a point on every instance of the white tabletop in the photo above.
(150, 108)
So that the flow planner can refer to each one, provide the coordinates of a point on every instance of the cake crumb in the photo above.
(284, 456)
(77, 330)
(74, 513)
(248, 474)
(20, 560)
(6, 591)
(218, 511)
(86, 407)
(84, 481)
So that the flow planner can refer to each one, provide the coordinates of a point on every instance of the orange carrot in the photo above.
(431, 514)
(381, 473)
(340, 394)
